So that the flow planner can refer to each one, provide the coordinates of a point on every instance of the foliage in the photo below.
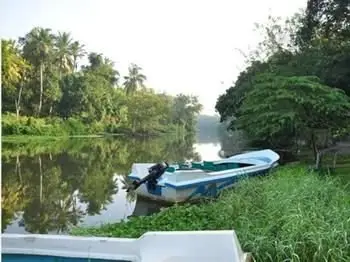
(43, 126)
(289, 94)
(310, 218)
(134, 79)
(13, 65)
(41, 76)
(40, 179)
(292, 106)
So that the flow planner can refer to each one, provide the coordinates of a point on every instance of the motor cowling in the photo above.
(154, 173)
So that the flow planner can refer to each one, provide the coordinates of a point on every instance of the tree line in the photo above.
(296, 86)
(43, 90)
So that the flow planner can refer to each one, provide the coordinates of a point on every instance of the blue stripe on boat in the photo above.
(199, 183)
(213, 189)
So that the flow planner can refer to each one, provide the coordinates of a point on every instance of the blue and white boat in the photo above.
(179, 183)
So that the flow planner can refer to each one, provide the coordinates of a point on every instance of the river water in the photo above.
(48, 187)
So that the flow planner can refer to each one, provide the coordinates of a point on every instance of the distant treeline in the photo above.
(45, 93)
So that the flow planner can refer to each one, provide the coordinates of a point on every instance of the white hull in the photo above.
(186, 246)
(195, 192)
(184, 185)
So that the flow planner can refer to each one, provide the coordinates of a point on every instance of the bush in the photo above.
(41, 126)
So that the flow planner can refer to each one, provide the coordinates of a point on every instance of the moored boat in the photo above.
(191, 181)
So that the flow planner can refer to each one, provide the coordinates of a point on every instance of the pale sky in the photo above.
(184, 46)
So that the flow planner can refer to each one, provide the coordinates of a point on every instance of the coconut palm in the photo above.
(77, 51)
(134, 79)
(38, 49)
(63, 53)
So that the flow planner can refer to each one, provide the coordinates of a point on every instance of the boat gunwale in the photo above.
(209, 179)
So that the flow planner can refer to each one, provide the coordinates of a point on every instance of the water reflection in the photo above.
(52, 186)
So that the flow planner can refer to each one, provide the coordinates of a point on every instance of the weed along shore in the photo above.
(293, 214)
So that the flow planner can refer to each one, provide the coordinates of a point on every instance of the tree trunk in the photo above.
(183, 131)
(313, 144)
(18, 101)
(41, 88)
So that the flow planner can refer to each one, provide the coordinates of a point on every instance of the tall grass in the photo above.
(292, 215)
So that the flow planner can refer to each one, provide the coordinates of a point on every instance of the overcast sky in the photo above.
(184, 46)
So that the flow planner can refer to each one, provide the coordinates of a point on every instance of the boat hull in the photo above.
(203, 180)
(220, 246)
(193, 191)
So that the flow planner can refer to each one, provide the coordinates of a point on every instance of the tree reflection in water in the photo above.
(53, 186)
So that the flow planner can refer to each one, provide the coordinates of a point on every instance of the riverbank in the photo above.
(22, 139)
(290, 214)
(50, 127)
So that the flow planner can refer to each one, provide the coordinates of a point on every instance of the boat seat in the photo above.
(197, 165)
(170, 169)
(211, 166)
(208, 165)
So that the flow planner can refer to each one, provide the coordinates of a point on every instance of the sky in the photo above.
(183, 46)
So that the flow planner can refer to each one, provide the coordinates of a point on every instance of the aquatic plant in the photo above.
(292, 215)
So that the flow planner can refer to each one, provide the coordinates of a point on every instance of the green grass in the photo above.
(292, 215)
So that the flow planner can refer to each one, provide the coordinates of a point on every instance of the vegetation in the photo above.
(50, 187)
(310, 218)
(295, 89)
(44, 92)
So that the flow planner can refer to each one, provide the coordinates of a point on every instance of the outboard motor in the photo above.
(154, 172)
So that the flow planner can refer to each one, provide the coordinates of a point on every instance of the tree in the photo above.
(38, 50)
(185, 111)
(134, 80)
(14, 71)
(90, 95)
(102, 66)
(145, 111)
(292, 106)
(328, 19)
(77, 51)
(63, 53)
(301, 46)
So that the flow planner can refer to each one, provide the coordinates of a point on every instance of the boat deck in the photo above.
(188, 176)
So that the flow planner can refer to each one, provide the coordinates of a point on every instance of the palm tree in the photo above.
(63, 55)
(134, 79)
(77, 51)
(37, 48)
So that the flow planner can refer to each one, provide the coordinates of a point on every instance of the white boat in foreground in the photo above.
(179, 183)
(182, 246)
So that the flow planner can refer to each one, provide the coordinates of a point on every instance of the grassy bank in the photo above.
(292, 215)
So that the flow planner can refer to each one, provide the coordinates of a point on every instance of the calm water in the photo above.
(47, 187)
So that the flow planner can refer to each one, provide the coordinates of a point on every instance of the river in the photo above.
(48, 187)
